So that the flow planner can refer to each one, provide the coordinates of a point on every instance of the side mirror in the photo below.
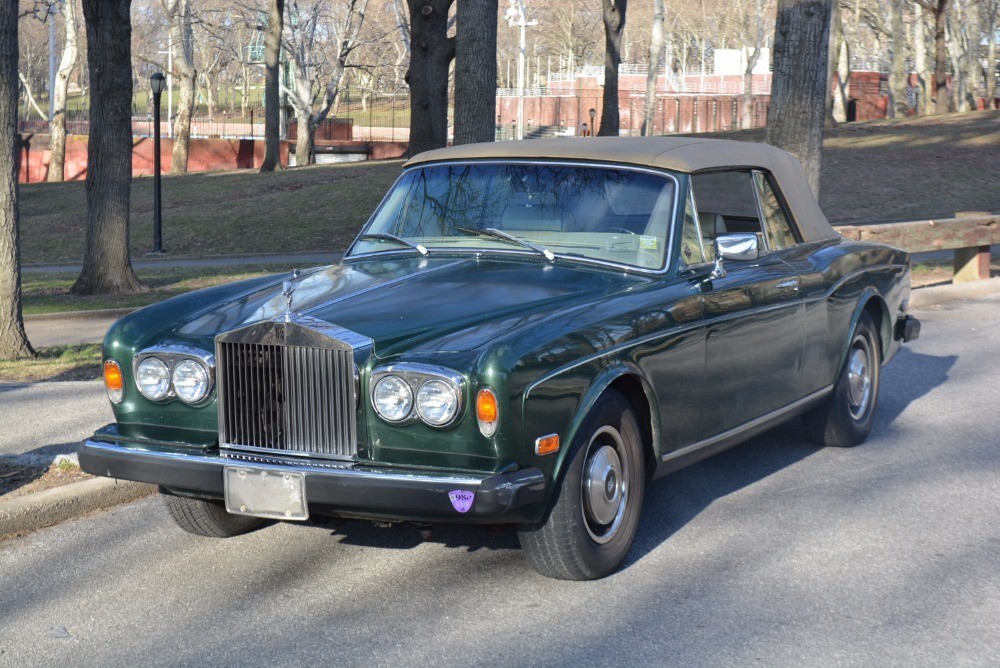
(739, 247)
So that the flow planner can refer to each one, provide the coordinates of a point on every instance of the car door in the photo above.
(754, 315)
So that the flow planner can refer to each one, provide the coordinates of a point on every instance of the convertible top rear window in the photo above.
(605, 214)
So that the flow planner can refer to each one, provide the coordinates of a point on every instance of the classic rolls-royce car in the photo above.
(523, 333)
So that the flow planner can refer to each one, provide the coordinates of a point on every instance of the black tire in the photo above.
(846, 417)
(588, 532)
(208, 518)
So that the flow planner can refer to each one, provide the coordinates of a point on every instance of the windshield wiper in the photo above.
(499, 234)
(385, 236)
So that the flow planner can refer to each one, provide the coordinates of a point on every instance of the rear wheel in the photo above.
(208, 518)
(594, 517)
(846, 417)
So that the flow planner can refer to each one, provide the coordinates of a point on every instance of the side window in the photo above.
(727, 204)
(780, 233)
(692, 252)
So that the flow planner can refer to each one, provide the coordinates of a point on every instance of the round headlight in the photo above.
(153, 378)
(392, 398)
(191, 381)
(437, 402)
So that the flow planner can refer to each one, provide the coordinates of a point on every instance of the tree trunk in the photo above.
(272, 92)
(842, 60)
(430, 58)
(941, 105)
(898, 75)
(993, 10)
(655, 60)
(13, 341)
(107, 266)
(920, 62)
(614, 25)
(476, 71)
(305, 138)
(182, 37)
(66, 66)
(799, 87)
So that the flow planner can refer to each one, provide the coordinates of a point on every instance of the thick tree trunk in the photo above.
(430, 58)
(67, 64)
(182, 38)
(476, 71)
(272, 92)
(993, 15)
(655, 61)
(799, 87)
(107, 266)
(840, 64)
(941, 100)
(13, 341)
(898, 75)
(305, 138)
(614, 24)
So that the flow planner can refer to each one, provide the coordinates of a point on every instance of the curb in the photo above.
(52, 506)
(942, 294)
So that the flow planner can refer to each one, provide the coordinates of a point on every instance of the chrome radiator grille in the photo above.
(284, 398)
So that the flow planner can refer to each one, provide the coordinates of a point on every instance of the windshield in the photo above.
(597, 213)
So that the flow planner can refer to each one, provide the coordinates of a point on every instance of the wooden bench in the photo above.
(970, 234)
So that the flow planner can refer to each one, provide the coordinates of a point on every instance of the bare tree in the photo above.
(840, 65)
(992, 25)
(107, 265)
(753, 30)
(614, 25)
(272, 94)
(313, 69)
(431, 52)
(939, 10)
(67, 63)
(13, 341)
(180, 17)
(476, 71)
(656, 44)
(924, 74)
(799, 86)
(898, 72)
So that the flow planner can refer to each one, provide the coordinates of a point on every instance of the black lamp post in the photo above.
(157, 82)
(593, 113)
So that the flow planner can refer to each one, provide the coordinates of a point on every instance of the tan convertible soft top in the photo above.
(680, 154)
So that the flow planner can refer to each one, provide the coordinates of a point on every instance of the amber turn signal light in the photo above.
(114, 382)
(487, 411)
(546, 445)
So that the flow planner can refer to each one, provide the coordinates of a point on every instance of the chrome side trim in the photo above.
(748, 427)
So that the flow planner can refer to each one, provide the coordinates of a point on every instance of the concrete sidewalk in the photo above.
(35, 511)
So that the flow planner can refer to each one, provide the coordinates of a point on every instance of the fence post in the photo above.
(972, 263)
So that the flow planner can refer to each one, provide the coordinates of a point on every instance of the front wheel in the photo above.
(594, 518)
(844, 419)
(207, 518)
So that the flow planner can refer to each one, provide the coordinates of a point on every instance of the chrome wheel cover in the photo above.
(859, 378)
(605, 484)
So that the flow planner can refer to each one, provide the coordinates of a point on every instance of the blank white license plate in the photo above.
(271, 493)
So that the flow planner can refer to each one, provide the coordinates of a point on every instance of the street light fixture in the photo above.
(593, 114)
(516, 18)
(157, 83)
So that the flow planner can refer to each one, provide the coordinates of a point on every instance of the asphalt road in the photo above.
(50, 418)
(775, 553)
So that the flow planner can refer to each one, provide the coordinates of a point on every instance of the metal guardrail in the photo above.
(970, 234)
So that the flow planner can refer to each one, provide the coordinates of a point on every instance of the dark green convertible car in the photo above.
(524, 333)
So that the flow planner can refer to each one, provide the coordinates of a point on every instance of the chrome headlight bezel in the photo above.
(415, 376)
(171, 357)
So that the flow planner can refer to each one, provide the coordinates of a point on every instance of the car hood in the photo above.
(440, 304)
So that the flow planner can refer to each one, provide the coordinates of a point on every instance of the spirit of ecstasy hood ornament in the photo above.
(287, 288)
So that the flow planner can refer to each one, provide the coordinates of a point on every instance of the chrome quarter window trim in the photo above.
(668, 256)
(172, 356)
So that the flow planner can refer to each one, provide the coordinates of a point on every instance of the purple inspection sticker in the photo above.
(462, 500)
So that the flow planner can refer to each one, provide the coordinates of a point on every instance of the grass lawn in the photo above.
(77, 362)
(49, 292)
(318, 208)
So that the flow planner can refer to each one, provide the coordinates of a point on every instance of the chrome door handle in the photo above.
(791, 283)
